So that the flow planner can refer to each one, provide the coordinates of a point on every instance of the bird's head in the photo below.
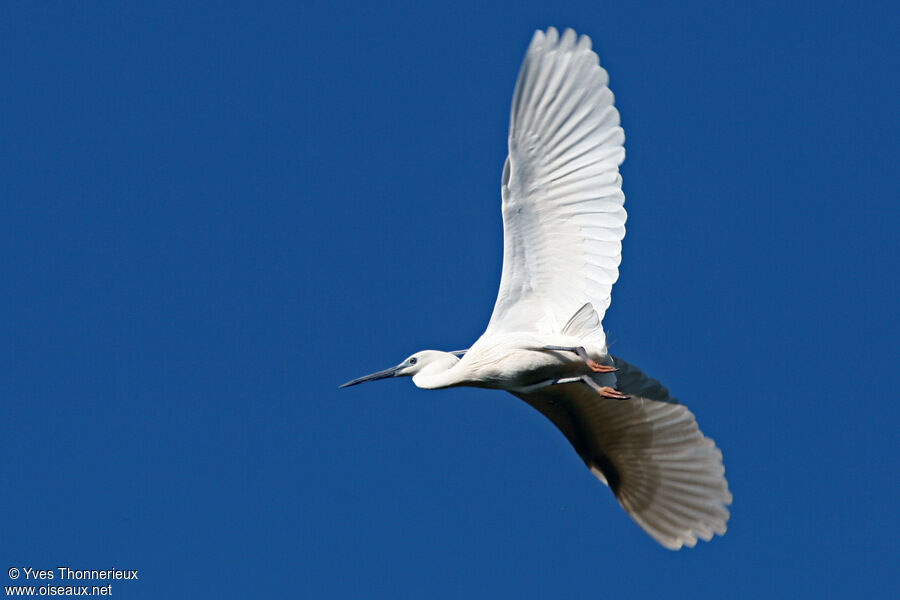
(422, 363)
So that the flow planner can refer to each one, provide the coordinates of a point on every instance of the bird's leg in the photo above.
(603, 390)
(583, 355)
(527, 389)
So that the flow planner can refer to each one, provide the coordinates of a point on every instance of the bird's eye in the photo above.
(413, 361)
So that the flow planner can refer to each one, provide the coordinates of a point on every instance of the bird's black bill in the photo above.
(373, 377)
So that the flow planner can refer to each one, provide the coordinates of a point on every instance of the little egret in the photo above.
(563, 224)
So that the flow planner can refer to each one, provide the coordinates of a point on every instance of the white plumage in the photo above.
(563, 220)
(563, 224)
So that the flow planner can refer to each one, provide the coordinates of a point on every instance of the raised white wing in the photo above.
(664, 472)
(563, 220)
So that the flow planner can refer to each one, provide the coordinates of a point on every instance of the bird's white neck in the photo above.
(439, 373)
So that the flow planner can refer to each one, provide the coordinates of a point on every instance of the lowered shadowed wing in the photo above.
(649, 450)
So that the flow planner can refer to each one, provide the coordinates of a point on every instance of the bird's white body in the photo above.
(563, 222)
(512, 361)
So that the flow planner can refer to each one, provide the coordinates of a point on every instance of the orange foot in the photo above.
(598, 368)
(608, 392)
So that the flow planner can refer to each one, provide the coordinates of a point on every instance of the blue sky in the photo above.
(211, 217)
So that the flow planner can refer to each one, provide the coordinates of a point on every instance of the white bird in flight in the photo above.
(563, 224)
